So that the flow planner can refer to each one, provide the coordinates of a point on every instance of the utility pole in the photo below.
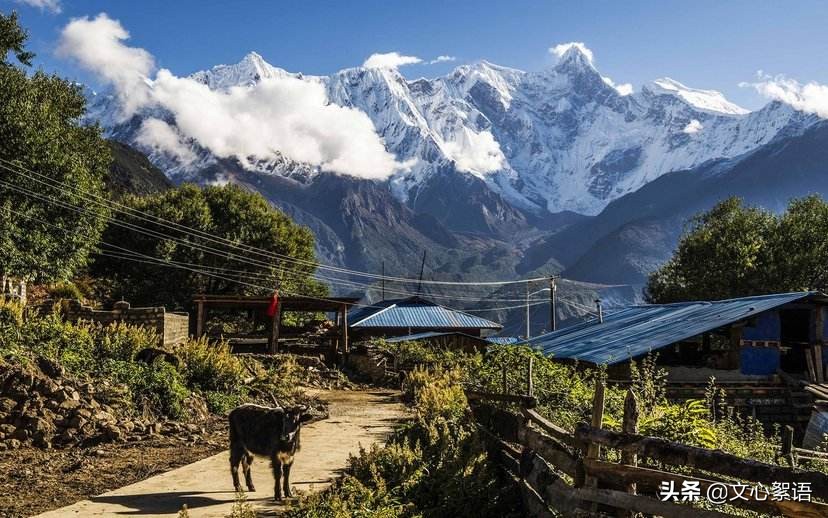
(527, 311)
(383, 280)
(422, 269)
(553, 319)
(600, 311)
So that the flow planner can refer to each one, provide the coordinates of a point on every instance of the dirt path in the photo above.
(356, 418)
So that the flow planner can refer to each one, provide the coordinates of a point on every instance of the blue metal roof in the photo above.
(416, 313)
(428, 334)
(637, 330)
(503, 340)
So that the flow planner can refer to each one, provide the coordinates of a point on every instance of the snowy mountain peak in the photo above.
(559, 139)
(707, 100)
(575, 56)
(250, 70)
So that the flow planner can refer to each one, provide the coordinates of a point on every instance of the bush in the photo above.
(155, 387)
(221, 403)
(11, 312)
(121, 341)
(211, 367)
(64, 290)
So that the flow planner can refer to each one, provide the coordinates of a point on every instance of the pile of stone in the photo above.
(41, 406)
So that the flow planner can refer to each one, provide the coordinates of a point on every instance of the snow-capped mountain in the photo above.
(562, 139)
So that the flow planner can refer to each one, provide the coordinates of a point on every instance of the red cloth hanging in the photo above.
(274, 304)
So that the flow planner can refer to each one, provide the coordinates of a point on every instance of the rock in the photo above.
(69, 404)
(7, 405)
(84, 412)
(128, 426)
(77, 422)
(105, 417)
(50, 368)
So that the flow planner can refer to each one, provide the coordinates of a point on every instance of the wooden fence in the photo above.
(564, 470)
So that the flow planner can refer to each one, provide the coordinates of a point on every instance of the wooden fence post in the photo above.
(505, 384)
(530, 388)
(787, 445)
(630, 425)
(594, 449)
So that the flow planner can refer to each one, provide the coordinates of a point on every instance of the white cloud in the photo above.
(44, 5)
(560, 50)
(155, 133)
(442, 59)
(475, 152)
(622, 88)
(277, 116)
(390, 60)
(694, 126)
(97, 45)
(810, 97)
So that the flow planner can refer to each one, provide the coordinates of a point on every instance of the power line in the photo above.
(16, 168)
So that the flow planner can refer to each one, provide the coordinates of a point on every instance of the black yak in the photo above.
(269, 432)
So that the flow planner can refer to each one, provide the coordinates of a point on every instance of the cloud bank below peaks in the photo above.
(287, 116)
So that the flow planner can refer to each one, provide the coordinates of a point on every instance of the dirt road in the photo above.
(356, 418)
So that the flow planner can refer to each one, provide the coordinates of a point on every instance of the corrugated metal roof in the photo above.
(416, 313)
(637, 330)
(428, 334)
(503, 340)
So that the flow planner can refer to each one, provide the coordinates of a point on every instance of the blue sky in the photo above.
(704, 44)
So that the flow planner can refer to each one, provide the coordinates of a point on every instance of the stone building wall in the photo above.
(172, 328)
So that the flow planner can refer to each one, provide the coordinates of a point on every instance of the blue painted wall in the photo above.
(767, 327)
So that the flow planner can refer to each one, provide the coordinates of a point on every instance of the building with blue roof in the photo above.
(731, 339)
(413, 315)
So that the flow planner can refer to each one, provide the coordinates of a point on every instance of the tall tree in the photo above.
(725, 252)
(230, 212)
(46, 233)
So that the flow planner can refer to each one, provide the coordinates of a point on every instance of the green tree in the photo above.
(725, 252)
(228, 212)
(801, 247)
(45, 239)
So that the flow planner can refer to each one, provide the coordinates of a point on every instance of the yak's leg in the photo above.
(277, 475)
(286, 482)
(247, 460)
(236, 456)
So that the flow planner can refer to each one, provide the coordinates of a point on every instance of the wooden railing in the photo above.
(564, 470)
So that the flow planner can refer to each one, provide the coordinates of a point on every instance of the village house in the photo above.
(413, 315)
(766, 351)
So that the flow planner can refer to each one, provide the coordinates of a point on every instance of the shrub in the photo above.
(11, 312)
(156, 387)
(64, 290)
(211, 367)
(221, 403)
(121, 341)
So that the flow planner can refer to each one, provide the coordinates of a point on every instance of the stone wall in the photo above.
(172, 328)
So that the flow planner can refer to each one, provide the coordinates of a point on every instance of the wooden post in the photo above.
(594, 450)
(274, 330)
(818, 363)
(787, 445)
(346, 346)
(200, 318)
(630, 425)
(504, 385)
(530, 387)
